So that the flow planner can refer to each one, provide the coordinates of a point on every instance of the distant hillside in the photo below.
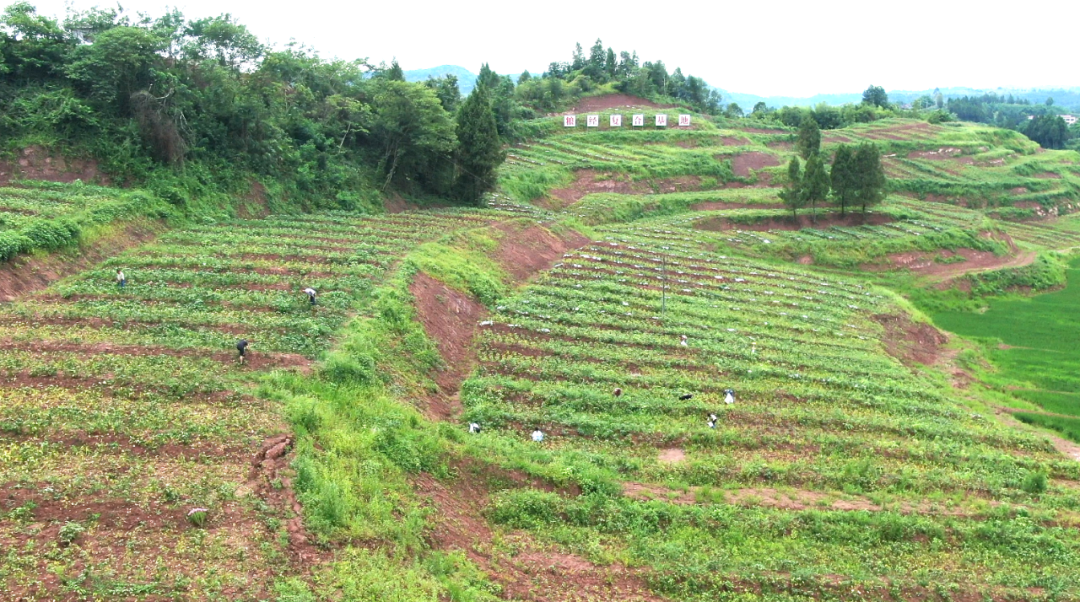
(1062, 97)
(466, 78)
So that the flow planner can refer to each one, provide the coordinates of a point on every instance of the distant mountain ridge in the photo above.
(1065, 97)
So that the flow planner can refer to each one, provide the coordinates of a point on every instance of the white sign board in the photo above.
(569, 121)
(661, 121)
(592, 121)
(615, 121)
(639, 120)
(684, 121)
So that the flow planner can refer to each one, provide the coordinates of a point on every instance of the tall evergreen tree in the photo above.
(815, 183)
(479, 150)
(869, 175)
(394, 73)
(791, 194)
(809, 138)
(843, 177)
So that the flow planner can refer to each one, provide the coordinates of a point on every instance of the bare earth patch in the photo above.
(450, 319)
(911, 342)
(588, 181)
(36, 163)
(614, 101)
(743, 163)
(673, 455)
(534, 573)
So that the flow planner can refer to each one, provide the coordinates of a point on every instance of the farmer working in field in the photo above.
(310, 292)
(241, 348)
(121, 280)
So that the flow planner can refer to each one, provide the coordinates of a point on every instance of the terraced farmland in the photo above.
(835, 459)
(124, 408)
(42, 216)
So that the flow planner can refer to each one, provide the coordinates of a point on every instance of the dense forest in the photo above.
(197, 109)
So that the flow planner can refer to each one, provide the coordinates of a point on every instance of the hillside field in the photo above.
(903, 398)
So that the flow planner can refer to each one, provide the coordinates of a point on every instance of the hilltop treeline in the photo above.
(197, 108)
(601, 72)
(1044, 126)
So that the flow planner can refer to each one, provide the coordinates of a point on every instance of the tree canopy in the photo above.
(191, 107)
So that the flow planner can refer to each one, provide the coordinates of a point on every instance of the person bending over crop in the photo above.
(310, 292)
(121, 280)
(474, 428)
(538, 436)
(241, 348)
(712, 421)
(729, 396)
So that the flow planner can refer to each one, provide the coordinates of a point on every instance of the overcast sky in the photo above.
(767, 48)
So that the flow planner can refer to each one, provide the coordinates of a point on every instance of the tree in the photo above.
(733, 110)
(808, 142)
(869, 176)
(815, 183)
(487, 78)
(791, 194)
(479, 151)
(843, 176)
(446, 88)
(413, 133)
(394, 73)
(1050, 131)
(875, 95)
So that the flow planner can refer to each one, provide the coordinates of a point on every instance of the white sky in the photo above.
(767, 48)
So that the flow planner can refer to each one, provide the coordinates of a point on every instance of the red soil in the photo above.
(36, 163)
(909, 342)
(742, 163)
(733, 141)
(450, 318)
(588, 181)
(614, 101)
(535, 573)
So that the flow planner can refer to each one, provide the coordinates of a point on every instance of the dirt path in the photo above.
(1064, 446)
(944, 273)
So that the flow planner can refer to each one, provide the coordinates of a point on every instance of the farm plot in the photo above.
(123, 409)
(899, 226)
(46, 216)
(592, 354)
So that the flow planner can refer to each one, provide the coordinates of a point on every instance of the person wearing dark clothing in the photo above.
(241, 348)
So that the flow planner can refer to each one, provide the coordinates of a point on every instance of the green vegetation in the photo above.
(197, 109)
(611, 287)
(1032, 341)
(48, 217)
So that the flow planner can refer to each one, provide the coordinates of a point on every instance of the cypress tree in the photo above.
(479, 150)
(843, 176)
(809, 139)
(815, 183)
(869, 175)
(792, 191)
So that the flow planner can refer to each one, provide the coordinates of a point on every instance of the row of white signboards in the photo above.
(615, 121)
